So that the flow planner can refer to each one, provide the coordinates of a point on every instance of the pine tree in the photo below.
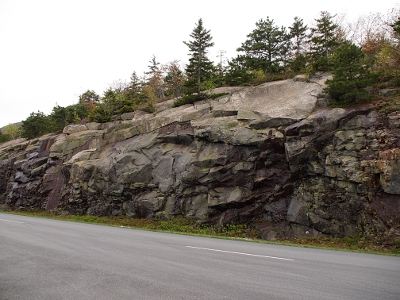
(154, 66)
(351, 74)
(58, 118)
(323, 41)
(135, 90)
(298, 35)
(266, 46)
(35, 125)
(155, 80)
(200, 68)
(89, 96)
(238, 72)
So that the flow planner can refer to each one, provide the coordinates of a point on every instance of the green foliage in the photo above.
(396, 27)
(174, 79)
(298, 36)
(351, 74)
(299, 64)
(77, 112)
(63, 116)
(388, 62)
(4, 137)
(200, 68)
(208, 85)
(58, 118)
(323, 42)
(190, 99)
(135, 88)
(191, 226)
(37, 124)
(269, 53)
(266, 46)
(107, 107)
(124, 98)
(89, 97)
(238, 73)
(259, 77)
(13, 131)
(154, 87)
(99, 115)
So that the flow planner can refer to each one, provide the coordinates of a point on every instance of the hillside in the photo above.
(271, 156)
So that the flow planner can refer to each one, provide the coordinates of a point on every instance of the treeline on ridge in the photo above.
(359, 55)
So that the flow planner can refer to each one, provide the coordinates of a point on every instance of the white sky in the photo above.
(51, 51)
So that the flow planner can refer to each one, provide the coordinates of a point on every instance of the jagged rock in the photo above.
(258, 155)
(389, 166)
(297, 212)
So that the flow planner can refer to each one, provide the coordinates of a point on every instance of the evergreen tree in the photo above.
(323, 41)
(266, 46)
(37, 124)
(351, 74)
(298, 35)
(58, 118)
(155, 80)
(154, 66)
(77, 112)
(135, 89)
(89, 96)
(200, 68)
(238, 72)
(106, 107)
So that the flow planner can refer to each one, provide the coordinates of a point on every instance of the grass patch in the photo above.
(348, 243)
(175, 225)
(231, 231)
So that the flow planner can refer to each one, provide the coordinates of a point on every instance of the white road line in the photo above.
(240, 253)
(10, 221)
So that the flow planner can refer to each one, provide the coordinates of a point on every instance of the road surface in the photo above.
(50, 259)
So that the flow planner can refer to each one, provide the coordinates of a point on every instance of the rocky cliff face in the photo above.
(266, 156)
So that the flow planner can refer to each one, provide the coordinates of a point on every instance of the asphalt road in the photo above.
(49, 259)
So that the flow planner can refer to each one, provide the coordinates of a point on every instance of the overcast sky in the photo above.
(51, 51)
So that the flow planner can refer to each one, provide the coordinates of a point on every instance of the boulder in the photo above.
(74, 128)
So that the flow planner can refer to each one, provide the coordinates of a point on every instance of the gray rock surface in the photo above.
(264, 156)
(73, 128)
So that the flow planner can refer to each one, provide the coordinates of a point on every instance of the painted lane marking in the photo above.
(10, 221)
(240, 253)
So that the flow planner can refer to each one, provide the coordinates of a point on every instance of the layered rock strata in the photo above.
(267, 156)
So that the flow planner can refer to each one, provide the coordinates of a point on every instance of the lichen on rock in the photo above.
(259, 155)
